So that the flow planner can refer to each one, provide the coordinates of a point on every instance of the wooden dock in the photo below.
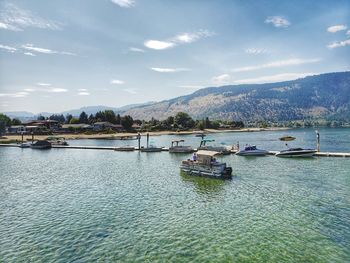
(112, 148)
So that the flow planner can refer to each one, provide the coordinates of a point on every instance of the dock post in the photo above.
(22, 136)
(32, 137)
(139, 140)
(147, 139)
(318, 140)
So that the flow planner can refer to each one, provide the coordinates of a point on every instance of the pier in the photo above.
(164, 149)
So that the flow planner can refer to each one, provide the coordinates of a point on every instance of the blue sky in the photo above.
(60, 55)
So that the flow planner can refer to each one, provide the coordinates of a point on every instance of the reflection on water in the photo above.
(204, 185)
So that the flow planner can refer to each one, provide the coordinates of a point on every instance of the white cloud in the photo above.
(131, 91)
(158, 45)
(135, 49)
(277, 64)
(273, 78)
(57, 90)
(117, 82)
(29, 54)
(20, 94)
(191, 37)
(183, 38)
(169, 70)
(82, 90)
(83, 93)
(8, 48)
(348, 33)
(16, 19)
(339, 44)
(255, 51)
(336, 28)
(31, 47)
(124, 3)
(221, 79)
(29, 90)
(43, 84)
(277, 21)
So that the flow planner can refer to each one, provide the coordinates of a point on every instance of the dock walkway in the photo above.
(112, 148)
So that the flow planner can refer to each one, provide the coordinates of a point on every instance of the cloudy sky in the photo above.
(63, 54)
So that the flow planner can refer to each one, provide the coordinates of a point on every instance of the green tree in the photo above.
(40, 117)
(74, 121)
(127, 122)
(69, 118)
(110, 116)
(184, 120)
(16, 122)
(4, 118)
(83, 118)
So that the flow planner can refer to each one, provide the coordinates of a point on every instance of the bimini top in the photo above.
(177, 140)
(207, 153)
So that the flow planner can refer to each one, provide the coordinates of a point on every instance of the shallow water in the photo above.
(64, 205)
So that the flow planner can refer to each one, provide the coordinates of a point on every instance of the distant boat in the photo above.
(24, 145)
(125, 148)
(296, 152)
(287, 138)
(251, 150)
(180, 148)
(41, 145)
(151, 148)
(206, 165)
(56, 140)
(220, 149)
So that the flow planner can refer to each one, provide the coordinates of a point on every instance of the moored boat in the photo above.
(220, 149)
(176, 148)
(287, 138)
(251, 150)
(56, 140)
(296, 152)
(41, 145)
(204, 164)
(151, 148)
(24, 145)
(125, 149)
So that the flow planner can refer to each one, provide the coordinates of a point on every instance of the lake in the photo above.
(65, 205)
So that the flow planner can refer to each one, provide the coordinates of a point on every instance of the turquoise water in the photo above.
(104, 206)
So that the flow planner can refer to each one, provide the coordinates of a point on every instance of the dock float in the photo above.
(112, 148)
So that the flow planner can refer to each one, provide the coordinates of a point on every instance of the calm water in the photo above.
(104, 206)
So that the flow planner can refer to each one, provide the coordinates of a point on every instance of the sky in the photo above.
(59, 55)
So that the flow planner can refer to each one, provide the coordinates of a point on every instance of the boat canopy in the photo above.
(177, 141)
(207, 153)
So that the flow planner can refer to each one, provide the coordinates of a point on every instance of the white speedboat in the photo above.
(296, 152)
(176, 148)
(220, 149)
(251, 150)
(206, 165)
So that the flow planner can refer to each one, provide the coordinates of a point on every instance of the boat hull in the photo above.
(181, 150)
(197, 170)
(295, 154)
(151, 149)
(252, 153)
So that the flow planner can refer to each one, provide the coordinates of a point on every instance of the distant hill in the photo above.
(325, 96)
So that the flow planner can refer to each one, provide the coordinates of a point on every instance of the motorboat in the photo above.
(151, 148)
(176, 148)
(251, 150)
(205, 164)
(55, 140)
(296, 152)
(125, 148)
(43, 144)
(287, 138)
(24, 145)
(220, 149)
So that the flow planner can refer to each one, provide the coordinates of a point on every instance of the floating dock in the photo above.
(164, 149)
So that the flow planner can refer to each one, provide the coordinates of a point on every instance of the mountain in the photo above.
(325, 96)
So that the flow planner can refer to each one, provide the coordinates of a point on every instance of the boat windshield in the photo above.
(250, 148)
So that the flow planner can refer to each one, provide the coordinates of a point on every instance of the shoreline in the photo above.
(116, 136)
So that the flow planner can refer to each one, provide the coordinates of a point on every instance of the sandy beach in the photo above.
(77, 136)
